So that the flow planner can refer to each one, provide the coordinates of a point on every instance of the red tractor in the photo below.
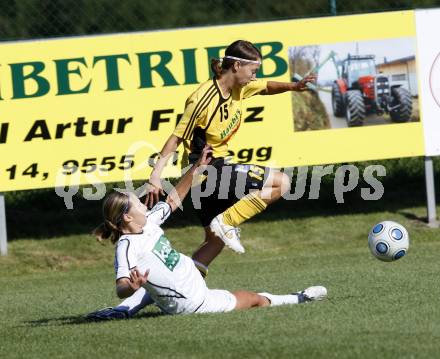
(361, 90)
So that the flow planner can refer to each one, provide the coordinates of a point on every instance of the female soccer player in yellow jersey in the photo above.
(212, 115)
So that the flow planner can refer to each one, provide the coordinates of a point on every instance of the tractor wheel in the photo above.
(337, 101)
(354, 108)
(401, 98)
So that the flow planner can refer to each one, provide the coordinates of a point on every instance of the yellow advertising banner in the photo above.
(89, 109)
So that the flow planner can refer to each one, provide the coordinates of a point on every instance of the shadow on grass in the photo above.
(81, 319)
(413, 217)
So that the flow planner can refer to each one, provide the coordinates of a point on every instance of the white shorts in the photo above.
(210, 301)
(217, 301)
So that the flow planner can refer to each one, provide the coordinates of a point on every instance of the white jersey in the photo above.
(173, 282)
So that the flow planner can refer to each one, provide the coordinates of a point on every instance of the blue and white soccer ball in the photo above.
(388, 241)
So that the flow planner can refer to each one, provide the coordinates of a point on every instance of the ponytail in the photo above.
(105, 231)
(216, 66)
(114, 207)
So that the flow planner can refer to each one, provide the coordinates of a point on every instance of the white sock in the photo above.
(280, 299)
(137, 301)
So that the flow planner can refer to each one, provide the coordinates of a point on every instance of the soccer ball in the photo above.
(388, 241)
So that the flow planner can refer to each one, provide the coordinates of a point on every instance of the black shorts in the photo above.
(224, 186)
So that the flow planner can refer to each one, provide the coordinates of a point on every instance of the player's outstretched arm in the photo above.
(179, 192)
(154, 185)
(275, 87)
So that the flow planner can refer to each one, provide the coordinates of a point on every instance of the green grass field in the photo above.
(374, 309)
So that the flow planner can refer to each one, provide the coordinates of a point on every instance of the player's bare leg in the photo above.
(246, 300)
(276, 185)
(208, 250)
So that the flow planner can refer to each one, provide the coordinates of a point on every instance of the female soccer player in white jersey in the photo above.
(213, 113)
(145, 259)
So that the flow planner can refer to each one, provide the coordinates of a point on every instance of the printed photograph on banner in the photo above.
(362, 83)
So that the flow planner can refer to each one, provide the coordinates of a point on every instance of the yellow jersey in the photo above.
(210, 118)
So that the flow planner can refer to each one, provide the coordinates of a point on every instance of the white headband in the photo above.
(240, 59)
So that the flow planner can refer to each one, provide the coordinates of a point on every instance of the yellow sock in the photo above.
(244, 209)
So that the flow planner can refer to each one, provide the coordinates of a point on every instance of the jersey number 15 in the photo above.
(224, 113)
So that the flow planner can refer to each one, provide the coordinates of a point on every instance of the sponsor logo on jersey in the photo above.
(163, 250)
(235, 120)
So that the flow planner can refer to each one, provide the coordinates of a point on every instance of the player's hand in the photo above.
(154, 190)
(302, 84)
(137, 279)
(205, 157)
